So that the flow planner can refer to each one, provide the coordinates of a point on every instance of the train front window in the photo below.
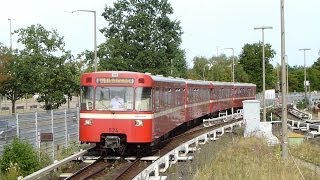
(114, 98)
(143, 99)
(87, 98)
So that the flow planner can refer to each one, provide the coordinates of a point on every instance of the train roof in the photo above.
(222, 83)
(197, 82)
(175, 79)
(166, 79)
(244, 84)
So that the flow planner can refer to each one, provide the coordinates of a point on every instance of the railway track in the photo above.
(91, 170)
(121, 167)
(128, 168)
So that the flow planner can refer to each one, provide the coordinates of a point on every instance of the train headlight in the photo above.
(88, 122)
(138, 122)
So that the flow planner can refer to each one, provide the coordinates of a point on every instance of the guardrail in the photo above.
(300, 114)
(212, 121)
(181, 153)
(311, 128)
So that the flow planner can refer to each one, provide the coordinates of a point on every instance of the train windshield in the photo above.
(143, 99)
(87, 98)
(114, 98)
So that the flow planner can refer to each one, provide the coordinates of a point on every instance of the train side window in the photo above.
(177, 96)
(156, 99)
(143, 99)
(215, 94)
(87, 98)
(162, 98)
(221, 93)
(196, 95)
(169, 97)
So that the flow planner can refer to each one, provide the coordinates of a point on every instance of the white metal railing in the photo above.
(211, 121)
(300, 114)
(180, 153)
(311, 128)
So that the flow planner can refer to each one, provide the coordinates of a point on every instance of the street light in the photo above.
(305, 71)
(263, 70)
(209, 67)
(232, 63)
(95, 35)
(9, 19)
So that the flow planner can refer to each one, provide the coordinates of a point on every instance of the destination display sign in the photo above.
(114, 81)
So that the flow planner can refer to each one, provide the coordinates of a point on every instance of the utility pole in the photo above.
(232, 63)
(283, 86)
(263, 72)
(305, 71)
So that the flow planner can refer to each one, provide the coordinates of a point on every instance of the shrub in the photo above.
(20, 156)
(303, 104)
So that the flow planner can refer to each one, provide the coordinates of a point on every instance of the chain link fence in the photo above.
(49, 132)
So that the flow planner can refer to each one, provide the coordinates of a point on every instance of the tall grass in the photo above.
(308, 152)
(251, 158)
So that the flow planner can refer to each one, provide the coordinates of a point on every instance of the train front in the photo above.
(116, 110)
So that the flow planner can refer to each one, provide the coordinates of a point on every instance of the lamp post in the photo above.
(263, 70)
(305, 71)
(95, 34)
(9, 19)
(232, 63)
(204, 67)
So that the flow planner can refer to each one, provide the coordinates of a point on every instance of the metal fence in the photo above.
(49, 132)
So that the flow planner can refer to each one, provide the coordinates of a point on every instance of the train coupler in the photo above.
(112, 142)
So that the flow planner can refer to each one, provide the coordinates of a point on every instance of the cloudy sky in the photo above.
(209, 25)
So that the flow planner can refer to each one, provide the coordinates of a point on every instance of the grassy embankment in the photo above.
(235, 157)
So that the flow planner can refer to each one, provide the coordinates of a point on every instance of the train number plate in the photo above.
(113, 130)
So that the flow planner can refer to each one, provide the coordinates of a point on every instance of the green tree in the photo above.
(45, 66)
(5, 58)
(220, 69)
(296, 78)
(316, 64)
(200, 68)
(217, 69)
(21, 155)
(240, 74)
(142, 37)
(251, 60)
(315, 75)
(12, 83)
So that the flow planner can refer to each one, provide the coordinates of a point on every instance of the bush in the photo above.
(21, 156)
(303, 104)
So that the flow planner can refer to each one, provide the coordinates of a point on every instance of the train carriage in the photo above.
(153, 106)
(130, 111)
(168, 95)
(198, 99)
(243, 91)
(221, 97)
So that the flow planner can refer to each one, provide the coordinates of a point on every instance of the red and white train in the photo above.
(150, 108)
